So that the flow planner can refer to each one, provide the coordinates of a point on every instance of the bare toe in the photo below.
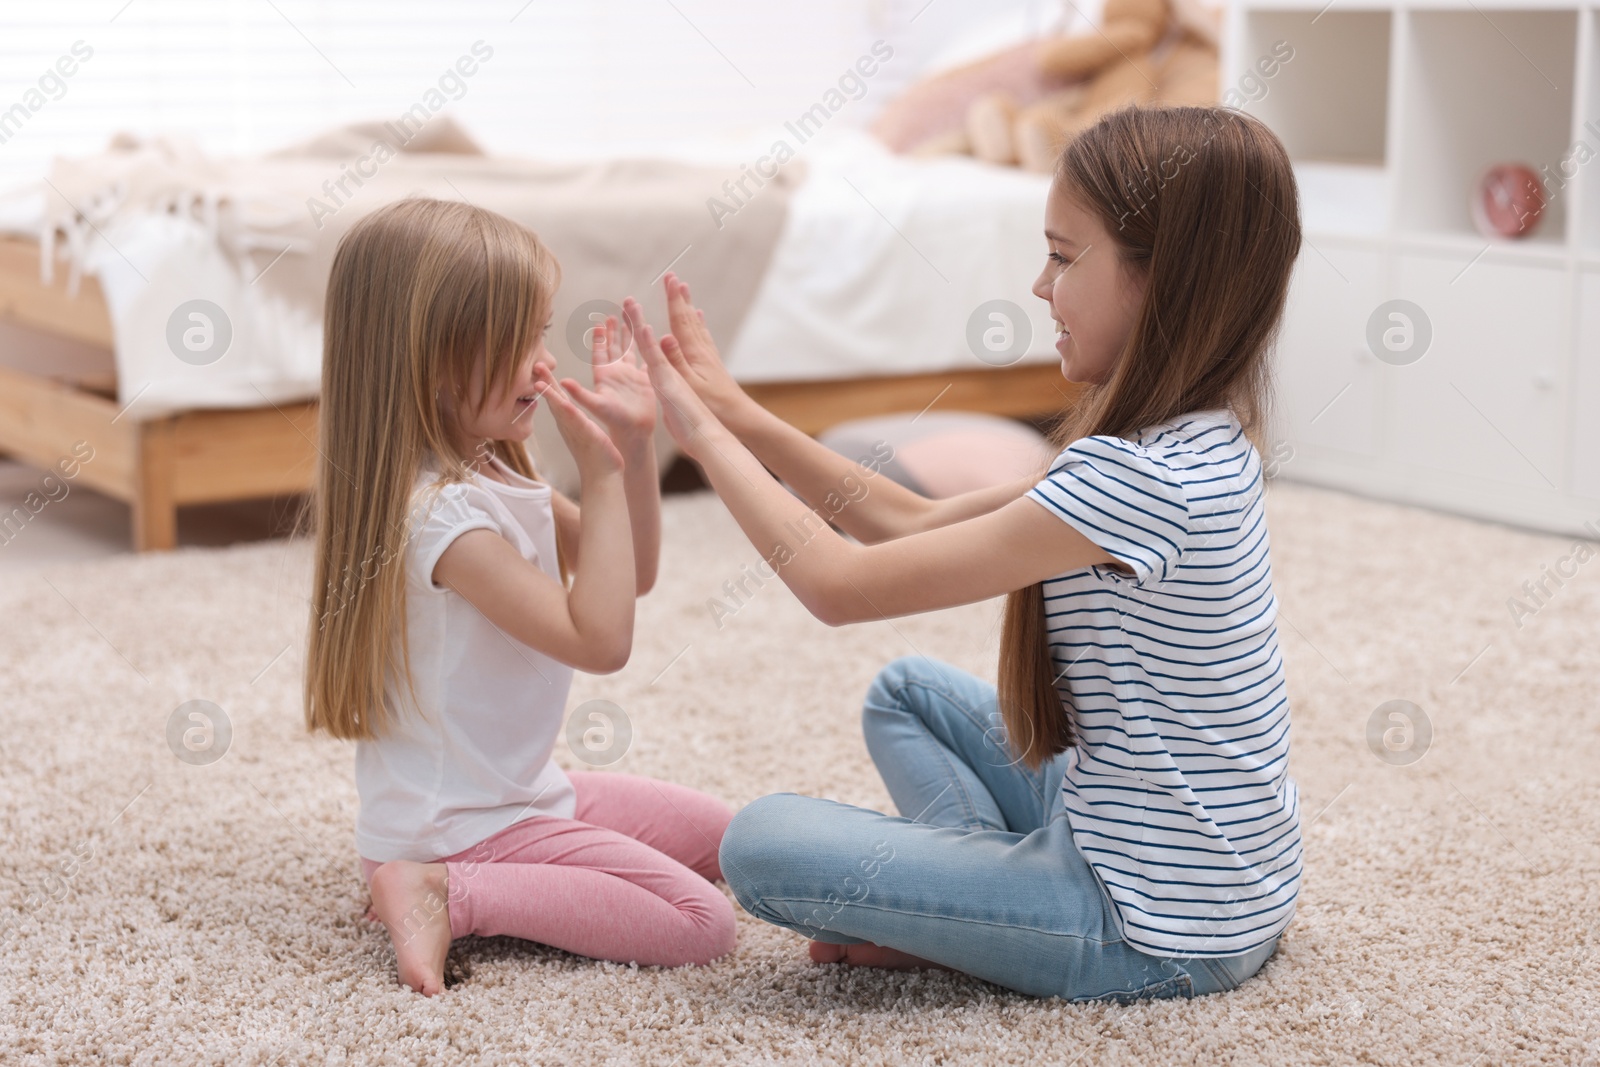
(825, 952)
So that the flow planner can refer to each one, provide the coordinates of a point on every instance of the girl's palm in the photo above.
(700, 363)
(590, 446)
(630, 402)
(622, 397)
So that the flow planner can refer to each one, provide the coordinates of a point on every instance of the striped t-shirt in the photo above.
(1178, 788)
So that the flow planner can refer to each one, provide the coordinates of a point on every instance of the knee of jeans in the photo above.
(885, 692)
(756, 841)
(893, 676)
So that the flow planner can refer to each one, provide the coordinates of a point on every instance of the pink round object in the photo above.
(1508, 202)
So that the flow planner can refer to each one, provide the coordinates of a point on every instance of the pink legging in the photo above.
(629, 878)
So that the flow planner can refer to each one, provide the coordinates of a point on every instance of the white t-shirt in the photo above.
(473, 755)
(1178, 789)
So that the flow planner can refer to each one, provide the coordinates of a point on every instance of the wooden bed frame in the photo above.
(206, 456)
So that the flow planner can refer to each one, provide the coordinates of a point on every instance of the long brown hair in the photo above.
(419, 290)
(1201, 203)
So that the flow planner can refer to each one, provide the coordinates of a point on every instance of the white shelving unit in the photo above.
(1391, 111)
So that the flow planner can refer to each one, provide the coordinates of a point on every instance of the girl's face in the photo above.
(507, 414)
(1093, 298)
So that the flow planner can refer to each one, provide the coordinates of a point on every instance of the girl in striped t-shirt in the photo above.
(1116, 820)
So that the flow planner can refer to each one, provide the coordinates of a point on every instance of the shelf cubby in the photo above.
(1483, 86)
(1335, 87)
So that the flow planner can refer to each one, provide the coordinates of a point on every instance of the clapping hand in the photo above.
(591, 448)
(622, 398)
(692, 351)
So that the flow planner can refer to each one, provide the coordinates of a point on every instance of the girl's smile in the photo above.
(1063, 335)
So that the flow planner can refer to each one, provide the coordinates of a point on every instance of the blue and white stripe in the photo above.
(1178, 790)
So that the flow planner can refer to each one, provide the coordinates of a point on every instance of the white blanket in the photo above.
(884, 259)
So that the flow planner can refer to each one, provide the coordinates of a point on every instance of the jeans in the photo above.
(981, 874)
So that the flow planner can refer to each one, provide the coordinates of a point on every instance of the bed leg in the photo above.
(155, 514)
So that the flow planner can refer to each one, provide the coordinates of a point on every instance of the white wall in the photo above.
(566, 78)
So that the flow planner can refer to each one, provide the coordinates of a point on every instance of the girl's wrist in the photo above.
(599, 479)
(740, 413)
(637, 447)
(710, 439)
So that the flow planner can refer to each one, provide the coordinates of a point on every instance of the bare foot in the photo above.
(867, 954)
(412, 901)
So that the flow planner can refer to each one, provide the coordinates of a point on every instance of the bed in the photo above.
(868, 298)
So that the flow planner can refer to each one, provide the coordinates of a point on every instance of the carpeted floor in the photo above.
(158, 912)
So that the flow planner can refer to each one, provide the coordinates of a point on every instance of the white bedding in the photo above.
(882, 262)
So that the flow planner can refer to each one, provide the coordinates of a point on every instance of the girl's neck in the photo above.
(478, 457)
(482, 464)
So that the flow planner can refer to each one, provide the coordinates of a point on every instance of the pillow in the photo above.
(940, 454)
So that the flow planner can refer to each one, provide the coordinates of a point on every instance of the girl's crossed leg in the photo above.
(629, 878)
(981, 875)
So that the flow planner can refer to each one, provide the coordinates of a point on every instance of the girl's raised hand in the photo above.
(621, 398)
(692, 351)
(591, 448)
(686, 416)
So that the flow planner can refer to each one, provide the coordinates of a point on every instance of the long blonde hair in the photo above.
(1201, 203)
(419, 291)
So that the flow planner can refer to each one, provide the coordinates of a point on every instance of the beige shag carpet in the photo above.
(156, 912)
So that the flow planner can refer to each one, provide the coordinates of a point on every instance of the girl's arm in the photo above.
(641, 484)
(622, 400)
(984, 556)
(590, 626)
(642, 487)
(887, 510)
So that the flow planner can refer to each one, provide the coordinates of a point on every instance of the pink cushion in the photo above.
(942, 454)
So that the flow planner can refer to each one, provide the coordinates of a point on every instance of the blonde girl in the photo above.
(444, 629)
(1116, 819)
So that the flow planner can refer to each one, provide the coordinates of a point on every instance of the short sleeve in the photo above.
(1125, 499)
(439, 515)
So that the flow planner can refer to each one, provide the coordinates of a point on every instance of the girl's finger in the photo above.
(673, 352)
(574, 425)
(613, 340)
(560, 400)
(654, 356)
(560, 403)
(639, 328)
(597, 344)
(688, 320)
(547, 385)
(677, 310)
(567, 416)
(578, 391)
(647, 340)
(593, 403)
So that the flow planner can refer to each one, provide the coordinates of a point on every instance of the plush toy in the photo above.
(1022, 105)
